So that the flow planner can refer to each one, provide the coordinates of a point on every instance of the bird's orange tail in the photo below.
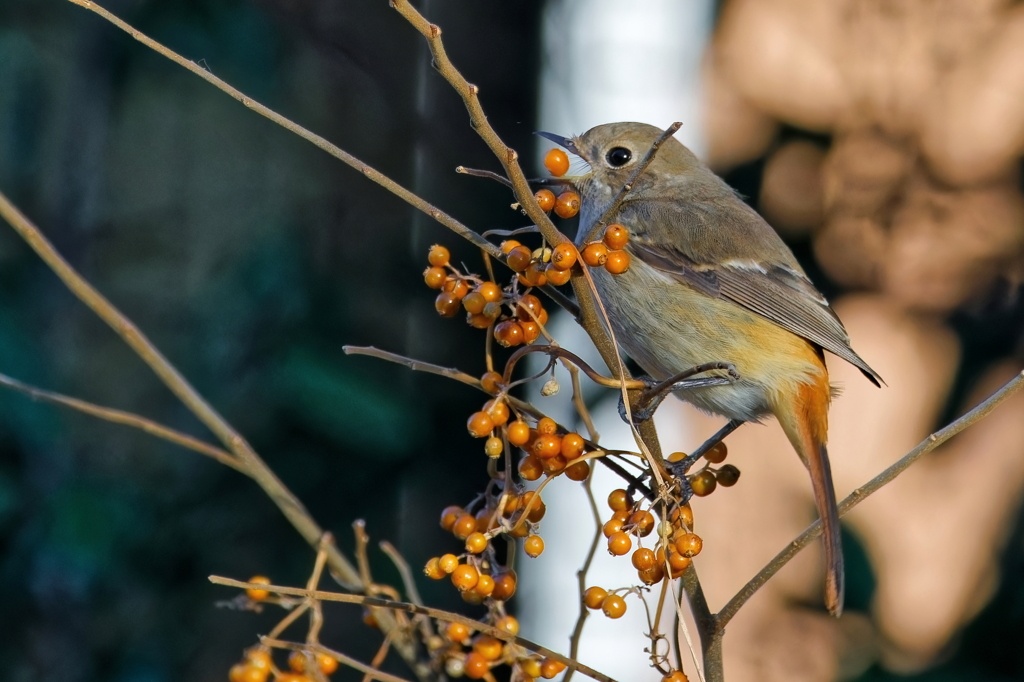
(804, 418)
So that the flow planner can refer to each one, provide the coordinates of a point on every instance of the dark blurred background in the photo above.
(250, 257)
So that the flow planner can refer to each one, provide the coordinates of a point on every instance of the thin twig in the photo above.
(405, 607)
(415, 365)
(403, 570)
(860, 494)
(128, 419)
(335, 151)
(581, 575)
(490, 175)
(342, 658)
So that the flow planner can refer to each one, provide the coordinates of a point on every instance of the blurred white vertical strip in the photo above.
(610, 60)
(604, 61)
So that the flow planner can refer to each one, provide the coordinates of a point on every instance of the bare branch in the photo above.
(128, 419)
(862, 493)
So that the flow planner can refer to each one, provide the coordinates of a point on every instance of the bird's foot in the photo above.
(656, 391)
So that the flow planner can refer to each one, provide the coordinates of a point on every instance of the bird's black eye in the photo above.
(618, 156)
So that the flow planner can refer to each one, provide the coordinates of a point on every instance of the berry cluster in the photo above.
(257, 665)
(475, 656)
(705, 481)
(609, 253)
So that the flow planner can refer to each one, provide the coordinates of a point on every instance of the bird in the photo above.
(710, 280)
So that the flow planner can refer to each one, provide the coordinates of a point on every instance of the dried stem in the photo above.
(128, 419)
(404, 607)
(860, 494)
(342, 658)
(581, 575)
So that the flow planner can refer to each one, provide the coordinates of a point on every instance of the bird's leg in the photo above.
(656, 392)
(680, 468)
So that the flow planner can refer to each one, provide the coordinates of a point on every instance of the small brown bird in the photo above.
(710, 280)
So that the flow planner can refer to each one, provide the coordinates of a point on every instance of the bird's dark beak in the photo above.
(566, 142)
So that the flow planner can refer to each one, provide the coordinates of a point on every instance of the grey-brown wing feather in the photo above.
(779, 294)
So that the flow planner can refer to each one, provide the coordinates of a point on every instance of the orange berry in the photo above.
(547, 425)
(546, 199)
(689, 545)
(490, 291)
(717, 454)
(291, 677)
(488, 647)
(497, 410)
(446, 304)
(484, 586)
(519, 258)
(534, 275)
(578, 471)
(241, 672)
(433, 570)
(504, 585)
(557, 162)
(458, 632)
(618, 500)
(297, 661)
(550, 668)
(449, 514)
(614, 606)
(478, 321)
(435, 277)
(567, 205)
(595, 254)
(508, 245)
(557, 277)
(491, 382)
(675, 676)
(474, 303)
(493, 447)
(485, 520)
(572, 446)
(553, 465)
(547, 446)
(652, 575)
(472, 597)
(530, 668)
(476, 542)
(594, 597)
(438, 256)
(617, 262)
(518, 432)
(619, 543)
(536, 510)
(457, 287)
(643, 559)
(257, 594)
(530, 468)
(704, 483)
(676, 456)
(508, 333)
(465, 577)
(683, 515)
(533, 546)
(611, 527)
(678, 563)
(508, 624)
(464, 526)
(616, 236)
(328, 664)
(642, 522)
(728, 475)
(531, 330)
(479, 424)
(475, 666)
(448, 562)
(529, 306)
(259, 658)
(564, 256)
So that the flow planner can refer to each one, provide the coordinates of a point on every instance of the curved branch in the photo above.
(862, 493)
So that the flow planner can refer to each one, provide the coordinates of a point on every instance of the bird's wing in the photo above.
(782, 295)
